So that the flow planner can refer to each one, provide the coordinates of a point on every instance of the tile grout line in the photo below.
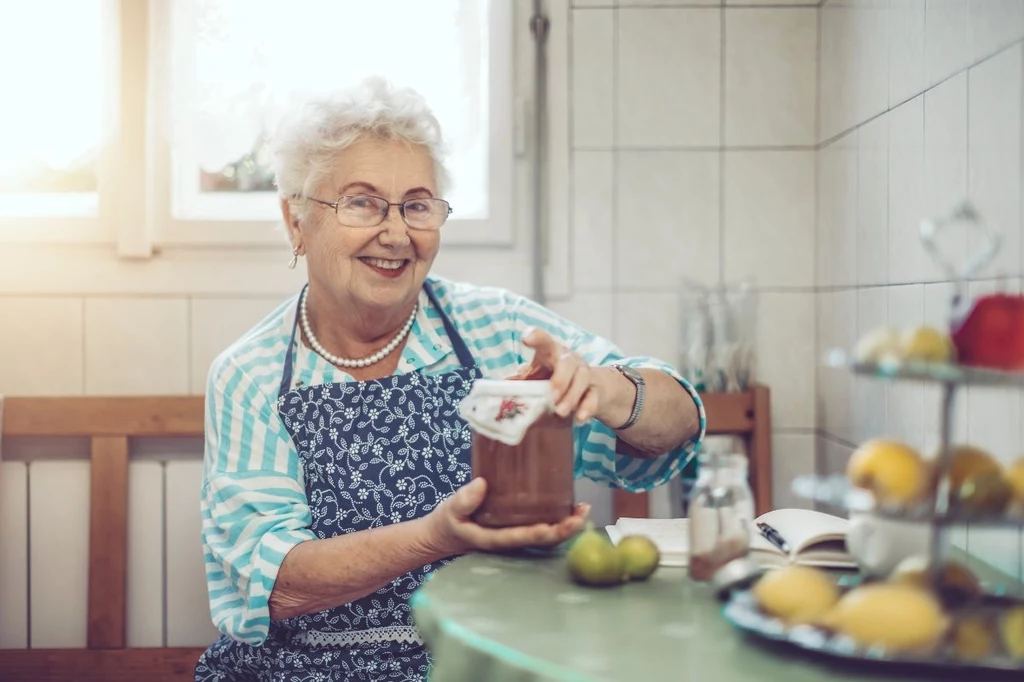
(721, 145)
(85, 347)
(120, 295)
(782, 289)
(1020, 217)
(616, 174)
(700, 5)
(816, 325)
(1020, 268)
(570, 156)
(163, 552)
(705, 148)
(28, 555)
(843, 133)
(966, 394)
(825, 434)
(188, 344)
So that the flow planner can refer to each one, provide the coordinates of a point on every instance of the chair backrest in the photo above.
(109, 423)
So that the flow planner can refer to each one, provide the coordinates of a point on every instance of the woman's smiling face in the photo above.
(372, 267)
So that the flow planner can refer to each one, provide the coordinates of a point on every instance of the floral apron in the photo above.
(373, 453)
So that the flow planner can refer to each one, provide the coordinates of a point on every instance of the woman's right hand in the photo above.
(452, 531)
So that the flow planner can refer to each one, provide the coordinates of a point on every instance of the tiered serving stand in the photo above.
(940, 512)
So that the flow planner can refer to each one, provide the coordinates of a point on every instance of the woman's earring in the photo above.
(295, 259)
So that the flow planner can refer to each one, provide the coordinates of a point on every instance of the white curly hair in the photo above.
(308, 138)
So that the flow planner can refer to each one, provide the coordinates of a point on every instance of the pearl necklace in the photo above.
(361, 362)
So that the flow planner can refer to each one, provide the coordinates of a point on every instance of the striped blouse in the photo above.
(254, 506)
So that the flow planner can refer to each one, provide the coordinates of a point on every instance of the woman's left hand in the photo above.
(576, 385)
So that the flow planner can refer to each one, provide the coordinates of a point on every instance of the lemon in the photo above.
(892, 471)
(984, 493)
(640, 555)
(956, 582)
(926, 344)
(888, 615)
(966, 461)
(1015, 477)
(796, 594)
(1012, 628)
(973, 638)
(594, 560)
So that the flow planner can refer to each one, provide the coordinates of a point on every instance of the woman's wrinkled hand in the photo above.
(575, 384)
(452, 531)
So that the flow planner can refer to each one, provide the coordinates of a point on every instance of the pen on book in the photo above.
(773, 536)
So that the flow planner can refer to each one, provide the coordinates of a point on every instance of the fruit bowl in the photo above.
(743, 612)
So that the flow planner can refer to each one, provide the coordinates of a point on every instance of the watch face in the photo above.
(631, 373)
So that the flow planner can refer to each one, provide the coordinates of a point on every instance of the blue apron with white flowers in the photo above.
(373, 453)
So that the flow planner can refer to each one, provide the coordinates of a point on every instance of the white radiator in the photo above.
(44, 532)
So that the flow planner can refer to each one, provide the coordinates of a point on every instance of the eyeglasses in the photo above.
(365, 210)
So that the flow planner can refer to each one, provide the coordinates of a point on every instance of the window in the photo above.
(237, 65)
(148, 121)
(55, 81)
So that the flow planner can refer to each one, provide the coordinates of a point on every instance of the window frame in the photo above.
(89, 253)
(135, 210)
(497, 230)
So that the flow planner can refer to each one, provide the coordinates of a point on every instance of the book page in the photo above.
(802, 528)
(672, 536)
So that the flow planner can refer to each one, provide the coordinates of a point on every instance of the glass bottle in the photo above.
(721, 514)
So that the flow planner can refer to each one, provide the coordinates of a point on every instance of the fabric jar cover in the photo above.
(503, 410)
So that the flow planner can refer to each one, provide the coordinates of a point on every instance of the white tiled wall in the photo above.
(698, 140)
(920, 108)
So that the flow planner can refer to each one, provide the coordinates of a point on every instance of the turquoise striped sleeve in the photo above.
(596, 458)
(253, 503)
(250, 522)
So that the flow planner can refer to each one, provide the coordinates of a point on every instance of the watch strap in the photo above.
(641, 391)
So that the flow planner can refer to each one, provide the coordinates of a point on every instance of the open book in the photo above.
(814, 538)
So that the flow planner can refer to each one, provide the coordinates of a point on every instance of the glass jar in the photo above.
(721, 514)
(523, 450)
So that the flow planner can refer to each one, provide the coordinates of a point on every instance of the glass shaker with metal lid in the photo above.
(721, 514)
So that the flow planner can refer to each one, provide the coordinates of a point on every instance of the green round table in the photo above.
(499, 618)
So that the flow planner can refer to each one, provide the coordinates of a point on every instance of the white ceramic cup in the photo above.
(879, 545)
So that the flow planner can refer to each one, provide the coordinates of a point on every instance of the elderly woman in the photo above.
(337, 469)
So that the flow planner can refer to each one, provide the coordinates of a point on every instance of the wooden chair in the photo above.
(747, 415)
(109, 423)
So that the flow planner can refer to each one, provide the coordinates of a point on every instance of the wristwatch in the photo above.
(641, 389)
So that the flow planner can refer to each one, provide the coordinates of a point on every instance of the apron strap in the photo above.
(458, 345)
(289, 353)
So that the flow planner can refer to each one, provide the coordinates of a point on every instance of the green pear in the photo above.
(593, 560)
(641, 556)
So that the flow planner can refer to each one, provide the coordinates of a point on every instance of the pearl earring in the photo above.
(295, 259)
